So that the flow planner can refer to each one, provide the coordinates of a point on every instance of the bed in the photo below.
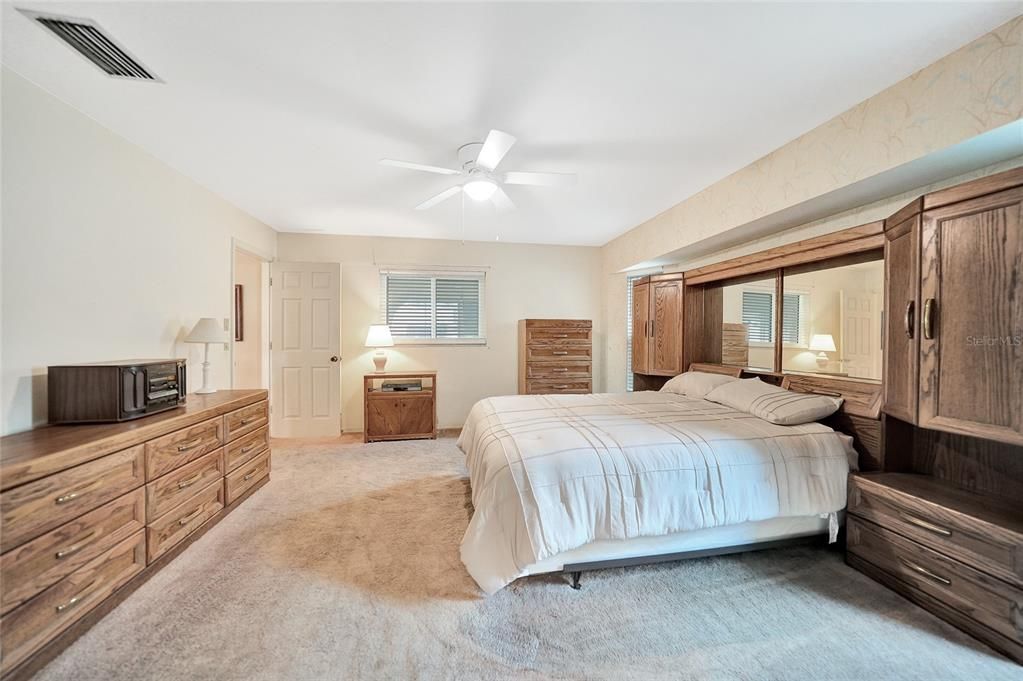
(561, 482)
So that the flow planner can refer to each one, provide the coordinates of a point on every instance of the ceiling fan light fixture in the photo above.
(480, 189)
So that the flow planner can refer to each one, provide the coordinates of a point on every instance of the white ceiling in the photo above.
(285, 108)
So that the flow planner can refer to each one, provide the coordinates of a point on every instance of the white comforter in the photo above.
(551, 473)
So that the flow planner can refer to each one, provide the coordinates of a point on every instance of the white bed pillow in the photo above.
(696, 383)
(774, 404)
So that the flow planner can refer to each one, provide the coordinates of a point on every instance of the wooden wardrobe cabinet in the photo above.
(657, 311)
(954, 329)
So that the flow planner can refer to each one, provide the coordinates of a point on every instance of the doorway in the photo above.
(250, 320)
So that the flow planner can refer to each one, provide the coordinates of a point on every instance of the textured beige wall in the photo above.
(971, 91)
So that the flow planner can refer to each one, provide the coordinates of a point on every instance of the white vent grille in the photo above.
(89, 40)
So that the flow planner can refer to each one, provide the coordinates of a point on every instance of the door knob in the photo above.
(334, 358)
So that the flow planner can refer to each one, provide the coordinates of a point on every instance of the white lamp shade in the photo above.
(379, 336)
(207, 330)
(822, 342)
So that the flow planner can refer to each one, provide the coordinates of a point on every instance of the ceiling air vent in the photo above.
(89, 40)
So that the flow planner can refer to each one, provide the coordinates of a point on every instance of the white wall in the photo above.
(107, 252)
(248, 352)
(522, 281)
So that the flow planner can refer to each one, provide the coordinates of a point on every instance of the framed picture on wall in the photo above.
(239, 325)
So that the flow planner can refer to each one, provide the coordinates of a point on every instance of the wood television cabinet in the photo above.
(399, 415)
(90, 512)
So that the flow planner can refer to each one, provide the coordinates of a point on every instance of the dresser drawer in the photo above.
(559, 370)
(27, 628)
(35, 507)
(238, 482)
(993, 550)
(32, 567)
(558, 353)
(577, 386)
(978, 596)
(246, 420)
(246, 448)
(166, 453)
(182, 520)
(557, 336)
(176, 487)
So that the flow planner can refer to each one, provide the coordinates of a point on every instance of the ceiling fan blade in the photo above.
(444, 195)
(494, 148)
(540, 179)
(502, 200)
(419, 166)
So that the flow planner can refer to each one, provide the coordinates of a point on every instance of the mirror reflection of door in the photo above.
(861, 333)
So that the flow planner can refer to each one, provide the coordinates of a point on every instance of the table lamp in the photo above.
(206, 331)
(379, 337)
(822, 343)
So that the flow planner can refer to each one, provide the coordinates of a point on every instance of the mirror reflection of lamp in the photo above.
(379, 337)
(822, 344)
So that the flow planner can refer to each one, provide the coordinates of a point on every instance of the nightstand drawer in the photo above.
(980, 597)
(993, 549)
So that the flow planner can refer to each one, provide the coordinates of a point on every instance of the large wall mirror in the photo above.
(747, 323)
(831, 317)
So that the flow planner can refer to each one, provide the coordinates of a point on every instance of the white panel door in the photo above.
(305, 349)
(861, 334)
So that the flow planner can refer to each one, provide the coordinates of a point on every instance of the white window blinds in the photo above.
(628, 330)
(433, 306)
(758, 316)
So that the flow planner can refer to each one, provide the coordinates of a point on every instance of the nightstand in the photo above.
(951, 551)
(399, 414)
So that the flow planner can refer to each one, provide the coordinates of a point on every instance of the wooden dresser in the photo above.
(399, 415)
(957, 553)
(555, 356)
(90, 512)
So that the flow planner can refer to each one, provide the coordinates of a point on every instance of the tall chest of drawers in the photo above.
(88, 513)
(555, 356)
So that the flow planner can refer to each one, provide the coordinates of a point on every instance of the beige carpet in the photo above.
(346, 567)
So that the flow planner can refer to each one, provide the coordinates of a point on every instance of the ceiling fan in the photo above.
(479, 179)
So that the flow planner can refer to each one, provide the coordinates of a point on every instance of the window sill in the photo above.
(433, 342)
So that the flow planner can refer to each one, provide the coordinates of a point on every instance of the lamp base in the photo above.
(822, 360)
(207, 386)
(380, 360)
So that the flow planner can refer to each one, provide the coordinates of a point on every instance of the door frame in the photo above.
(237, 245)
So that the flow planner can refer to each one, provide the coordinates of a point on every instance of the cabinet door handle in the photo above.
(910, 307)
(926, 573)
(75, 548)
(924, 525)
(928, 321)
(191, 444)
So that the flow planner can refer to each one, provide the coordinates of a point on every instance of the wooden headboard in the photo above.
(724, 369)
(859, 415)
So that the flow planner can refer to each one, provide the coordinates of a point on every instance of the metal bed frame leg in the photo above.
(575, 580)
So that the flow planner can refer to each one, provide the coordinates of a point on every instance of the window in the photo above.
(628, 330)
(758, 316)
(433, 307)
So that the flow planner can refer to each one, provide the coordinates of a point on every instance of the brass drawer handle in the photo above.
(926, 573)
(75, 548)
(559, 369)
(246, 450)
(560, 387)
(191, 444)
(191, 516)
(560, 352)
(250, 475)
(64, 498)
(924, 525)
(77, 598)
(191, 481)
(908, 319)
